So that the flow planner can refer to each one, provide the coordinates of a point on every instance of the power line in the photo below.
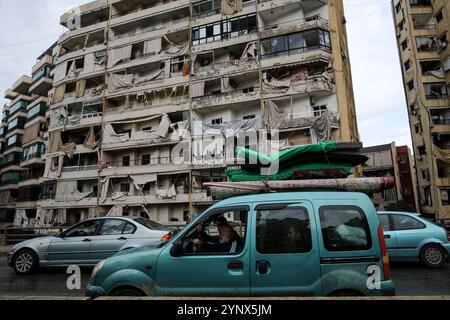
(27, 42)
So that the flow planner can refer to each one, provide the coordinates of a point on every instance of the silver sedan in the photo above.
(87, 243)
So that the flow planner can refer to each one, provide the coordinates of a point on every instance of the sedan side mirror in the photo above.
(177, 249)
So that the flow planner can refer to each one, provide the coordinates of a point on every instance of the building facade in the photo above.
(391, 161)
(422, 28)
(147, 95)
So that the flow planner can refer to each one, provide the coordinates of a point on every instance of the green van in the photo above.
(273, 244)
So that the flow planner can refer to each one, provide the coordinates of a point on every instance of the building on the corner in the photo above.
(422, 28)
(390, 161)
(134, 79)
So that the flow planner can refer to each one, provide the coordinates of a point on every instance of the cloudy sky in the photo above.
(27, 28)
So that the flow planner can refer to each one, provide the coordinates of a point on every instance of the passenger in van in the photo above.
(221, 222)
(227, 243)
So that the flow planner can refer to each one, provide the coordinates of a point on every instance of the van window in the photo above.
(344, 228)
(283, 231)
(403, 222)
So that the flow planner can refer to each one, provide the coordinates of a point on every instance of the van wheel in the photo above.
(127, 292)
(25, 262)
(432, 256)
(345, 293)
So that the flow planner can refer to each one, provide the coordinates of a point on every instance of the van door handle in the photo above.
(262, 267)
(386, 236)
(87, 240)
(236, 265)
(122, 238)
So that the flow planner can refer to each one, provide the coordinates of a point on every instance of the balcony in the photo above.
(436, 91)
(41, 81)
(10, 95)
(312, 84)
(22, 85)
(142, 166)
(224, 98)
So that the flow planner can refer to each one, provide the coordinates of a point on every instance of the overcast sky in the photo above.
(27, 28)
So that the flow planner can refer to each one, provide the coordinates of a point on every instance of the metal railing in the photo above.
(16, 235)
(139, 162)
(234, 94)
(79, 168)
(290, 52)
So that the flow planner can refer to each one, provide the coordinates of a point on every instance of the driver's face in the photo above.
(226, 234)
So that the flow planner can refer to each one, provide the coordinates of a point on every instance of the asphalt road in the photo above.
(411, 279)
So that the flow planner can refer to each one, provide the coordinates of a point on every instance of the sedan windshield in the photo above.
(149, 223)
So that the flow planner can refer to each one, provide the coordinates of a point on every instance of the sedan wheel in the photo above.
(25, 262)
(433, 256)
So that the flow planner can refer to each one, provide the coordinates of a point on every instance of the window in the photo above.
(436, 90)
(206, 8)
(126, 161)
(36, 110)
(344, 228)
(125, 187)
(407, 65)
(319, 110)
(20, 105)
(398, 7)
(427, 199)
(249, 117)
(439, 16)
(418, 128)
(129, 229)
(283, 231)
(176, 65)
(13, 124)
(84, 229)
(384, 220)
(410, 85)
(445, 196)
(404, 44)
(112, 227)
(216, 121)
(426, 43)
(14, 139)
(404, 222)
(145, 159)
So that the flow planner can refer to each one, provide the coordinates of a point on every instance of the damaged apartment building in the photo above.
(424, 50)
(134, 80)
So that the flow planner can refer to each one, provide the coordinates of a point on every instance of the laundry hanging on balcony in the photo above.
(92, 63)
(321, 128)
(119, 54)
(118, 81)
(230, 7)
(80, 88)
(273, 117)
(31, 133)
(170, 193)
(61, 217)
(116, 211)
(105, 188)
(153, 46)
(225, 84)
(59, 93)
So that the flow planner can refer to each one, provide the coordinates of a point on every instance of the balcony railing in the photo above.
(420, 3)
(139, 162)
(436, 96)
(79, 168)
(428, 26)
(136, 32)
(294, 51)
(217, 97)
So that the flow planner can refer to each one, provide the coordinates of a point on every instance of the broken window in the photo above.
(223, 30)
(422, 150)
(439, 16)
(216, 121)
(407, 64)
(176, 64)
(206, 8)
(319, 110)
(410, 85)
(426, 43)
(440, 116)
(404, 44)
(436, 90)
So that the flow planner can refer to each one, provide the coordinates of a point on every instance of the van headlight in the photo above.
(98, 267)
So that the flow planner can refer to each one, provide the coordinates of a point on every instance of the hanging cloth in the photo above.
(80, 88)
(90, 142)
(54, 142)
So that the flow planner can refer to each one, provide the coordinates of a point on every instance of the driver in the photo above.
(227, 242)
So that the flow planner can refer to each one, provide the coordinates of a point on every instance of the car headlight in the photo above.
(98, 267)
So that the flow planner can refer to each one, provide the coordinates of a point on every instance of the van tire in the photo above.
(432, 256)
(126, 292)
(346, 293)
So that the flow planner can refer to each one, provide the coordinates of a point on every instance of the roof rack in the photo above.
(224, 190)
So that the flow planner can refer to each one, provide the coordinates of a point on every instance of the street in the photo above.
(411, 279)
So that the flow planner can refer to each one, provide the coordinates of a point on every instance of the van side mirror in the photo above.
(177, 249)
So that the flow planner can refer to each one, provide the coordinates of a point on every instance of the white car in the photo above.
(87, 243)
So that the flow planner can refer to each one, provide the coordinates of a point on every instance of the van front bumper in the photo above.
(94, 291)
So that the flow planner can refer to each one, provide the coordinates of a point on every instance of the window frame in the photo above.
(394, 227)
(281, 207)
(208, 215)
(370, 242)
